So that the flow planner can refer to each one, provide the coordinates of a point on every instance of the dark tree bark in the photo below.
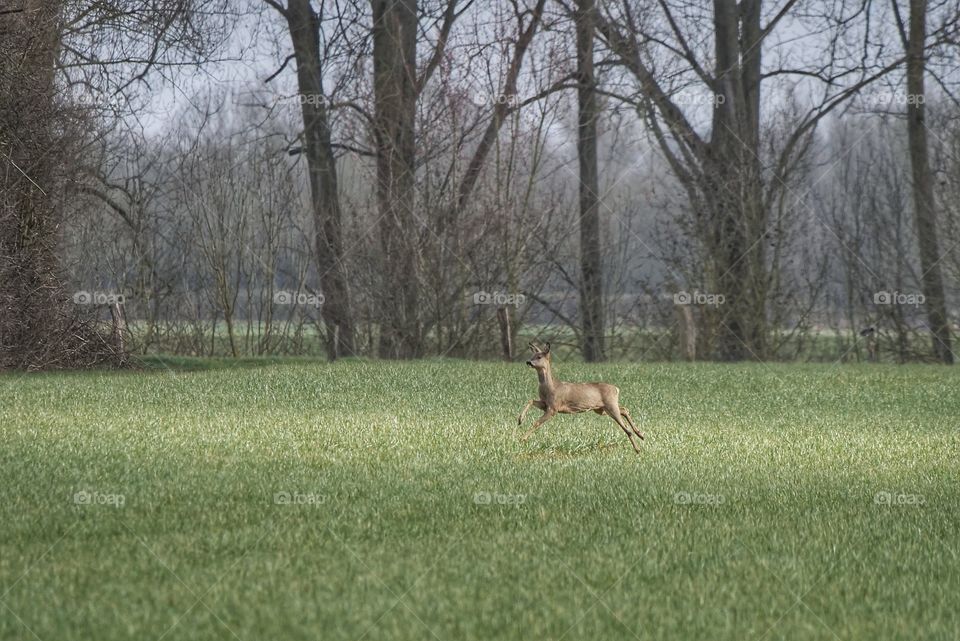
(304, 27)
(924, 210)
(395, 95)
(591, 286)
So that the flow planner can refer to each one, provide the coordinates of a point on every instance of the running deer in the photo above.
(573, 398)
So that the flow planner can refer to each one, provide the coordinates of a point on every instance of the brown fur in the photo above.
(558, 397)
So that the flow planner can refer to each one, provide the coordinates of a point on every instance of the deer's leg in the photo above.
(526, 407)
(547, 415)
(614, 411)
(626, 415)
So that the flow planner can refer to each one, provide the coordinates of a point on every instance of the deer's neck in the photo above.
(546, 381)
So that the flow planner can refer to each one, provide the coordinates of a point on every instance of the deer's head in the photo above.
(541, 356)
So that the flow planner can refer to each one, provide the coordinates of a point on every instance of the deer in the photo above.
(573, 398)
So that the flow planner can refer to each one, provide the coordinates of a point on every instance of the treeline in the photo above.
(404, 179)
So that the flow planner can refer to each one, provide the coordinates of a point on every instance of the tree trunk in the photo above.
(337, 315)
(688, 332)
(395, 98)
(591, 287)
(733, 187)
(924, 214)
(506, 333)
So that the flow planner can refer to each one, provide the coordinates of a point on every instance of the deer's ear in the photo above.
(547, 348)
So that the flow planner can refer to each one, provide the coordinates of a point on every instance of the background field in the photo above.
(652, 343)
(770, 502)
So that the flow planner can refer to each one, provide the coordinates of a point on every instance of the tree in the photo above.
(47, 50)
(591, 287)
(731, 181)
(39, 327)
(395, 108)
(924, 207)
(304, 26)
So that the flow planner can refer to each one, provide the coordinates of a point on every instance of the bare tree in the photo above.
(591, 267)
(924, 206)
(395, 96)
(51, 49)
(304, 26)
(38, 326)
(731, 181)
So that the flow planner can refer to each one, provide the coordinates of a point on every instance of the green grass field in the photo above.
(366, 500)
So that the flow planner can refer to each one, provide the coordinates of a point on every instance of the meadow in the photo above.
(296, 499)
